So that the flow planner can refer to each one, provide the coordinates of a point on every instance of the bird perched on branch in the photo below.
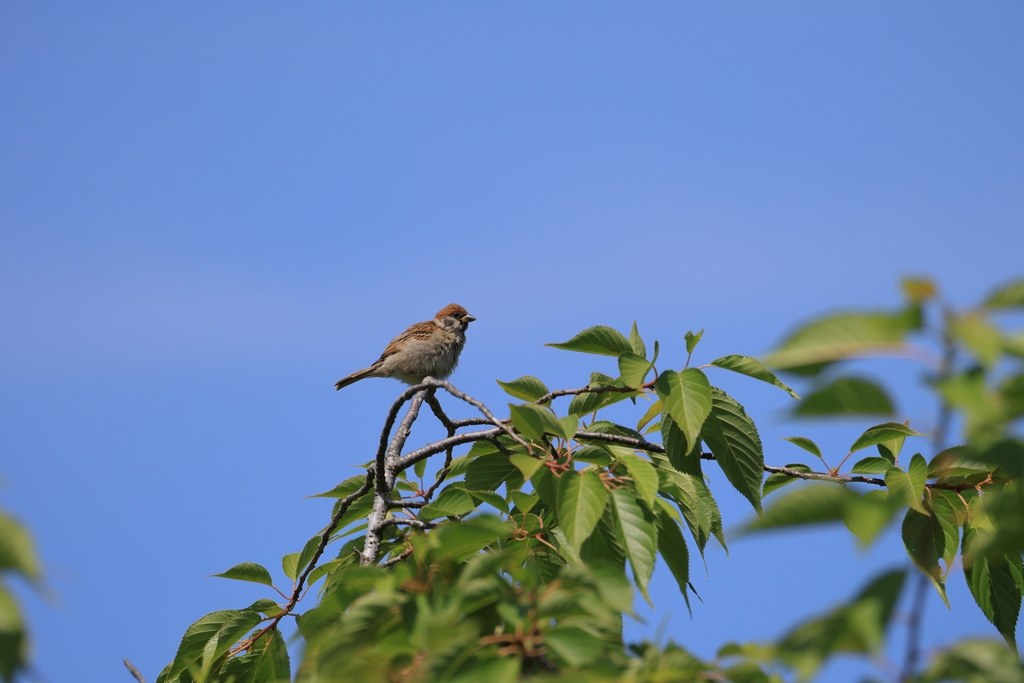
(427, 349)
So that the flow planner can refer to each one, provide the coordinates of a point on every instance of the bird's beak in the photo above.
(468, 319)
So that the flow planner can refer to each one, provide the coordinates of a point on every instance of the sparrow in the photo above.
(427, 349)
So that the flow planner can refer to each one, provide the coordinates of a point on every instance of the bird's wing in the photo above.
(418, 332)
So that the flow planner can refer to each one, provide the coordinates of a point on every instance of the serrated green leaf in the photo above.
(248, 571)
(686, 396)
(925, 542)
(872, 465)
(776, 481)
(344, 489)
(492, 499)
(644, 476)
(692, 340)
(581, 501)
(1010, 295)
(601, 340)
(732, 437)
(534, 421)
(840, 336)
(652, 412)
(804, 443)
(633, 369)
(524, 501)
(488, 472)
(639, 536)
(639, 348)
(526, 388)
(846, 396)
(680, 456)
(881, 433)
(218, 627)
(751, 367)
(526, 464)
(995, 582)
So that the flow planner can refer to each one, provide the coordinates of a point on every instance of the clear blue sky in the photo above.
(209, 213)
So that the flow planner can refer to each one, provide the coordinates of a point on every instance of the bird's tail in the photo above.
(356, 376)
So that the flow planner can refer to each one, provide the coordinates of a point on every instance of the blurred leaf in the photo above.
(751, 367)
(840, 336)
(958, 461)
(868, 515)
(601, 340)
(17, 551)
(459, 542)
(809, 504)
(639, 348)
(581, 501)
(732, 437)
(982, 406)
(501, 670)
(919, 290)
(645, 477)
(686, 396)
(846, 396)
(975, 661)
(13, 641)
(1010, 295)
(527, 388)
(572, 644)
(925, 542)
(978, 335)
(638, 533)
(776, 481)
(692, 340)
(805, 443)
(248, 571)
(633, 369)
(856, 628)
(881, 433)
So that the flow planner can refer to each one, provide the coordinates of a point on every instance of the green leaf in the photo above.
(1010, 295)
(633, 369)
(846, 396)
(978, 335)
(868, 515)
(686, 396)
(604, 544)
(584, 404)
(524, 501)
(526, 464)
(213, 633)
(526, 388)
(491, 498)
(451, 502)
(574, 645)
(17, 551)
(925, 542)
(806, 444)
(459, 542)
(776, 481)
(902, 489)
(248, 571)
(581, 501)
(645, 477)
(680, 456)
(673, 549)
(652, 412)
(872, 465)
(502, 670)
(810, 504)
(732, 437)
(995, 582)
(639, 536)
(840, 336)
(344, 489)
(751, 367)
(601, 340)
(639, 348)
(488, 472)
(692, 340)
(533, 421)
(882, 433)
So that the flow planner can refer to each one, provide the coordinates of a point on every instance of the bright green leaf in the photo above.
(633, 369)
(804, 443)
(601, 340)
(881, 433)
(526, 388)
(686, 396)
(528, 465)
(581, 501)
(639, 348)
(751, 367)
(645, 477)
(692, 340)
(248, 571)
(451, 502)
(639, 535)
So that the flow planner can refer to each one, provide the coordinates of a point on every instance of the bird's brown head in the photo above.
(456, 312)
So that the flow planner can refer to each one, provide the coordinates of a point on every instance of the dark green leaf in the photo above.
(680, 456)
(488, 472)
(526, 388)
(686, 396)
(639, 535)
(995, 583)
(248, 571)
(601, 340)
(925, 542)
(215, 632)
(846, 396)
(581, 501)
(673, 549)
(732, 437)
(751, 367)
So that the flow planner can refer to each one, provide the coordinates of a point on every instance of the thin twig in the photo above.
(501, 424)
(603, 389)
(398, 558)
(134, 672)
